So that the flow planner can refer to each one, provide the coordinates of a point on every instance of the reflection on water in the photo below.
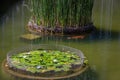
(101, 47)
(106, 15)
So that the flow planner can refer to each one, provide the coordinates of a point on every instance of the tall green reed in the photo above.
(64, 13)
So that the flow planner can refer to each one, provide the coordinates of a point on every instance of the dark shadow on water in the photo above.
(95, 36)
(102, 34)
(98, 35)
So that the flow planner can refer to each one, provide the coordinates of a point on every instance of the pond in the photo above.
(100, 47)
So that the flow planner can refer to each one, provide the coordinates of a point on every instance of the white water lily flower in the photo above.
(24, 56)
(28, 52)
(44, 51)
(55, 60)
(38, 67)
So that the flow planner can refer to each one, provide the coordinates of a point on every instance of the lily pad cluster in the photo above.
(41, 61)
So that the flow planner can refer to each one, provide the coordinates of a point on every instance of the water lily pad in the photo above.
(45, 60)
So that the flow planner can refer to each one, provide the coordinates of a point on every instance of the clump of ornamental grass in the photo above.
(62, 13)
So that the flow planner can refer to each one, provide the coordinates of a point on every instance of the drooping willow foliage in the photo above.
(64, 13)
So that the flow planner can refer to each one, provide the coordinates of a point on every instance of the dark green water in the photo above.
(102, 48)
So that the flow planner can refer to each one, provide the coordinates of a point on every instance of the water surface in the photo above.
(102, 47)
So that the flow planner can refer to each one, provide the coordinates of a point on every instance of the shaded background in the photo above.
(5, 5)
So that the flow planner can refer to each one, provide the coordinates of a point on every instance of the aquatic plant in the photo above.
(62, 13)
(40, 61)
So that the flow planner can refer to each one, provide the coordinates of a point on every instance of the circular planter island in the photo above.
(45, 62)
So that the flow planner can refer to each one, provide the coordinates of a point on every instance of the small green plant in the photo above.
(62, 13)
(40, 61)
